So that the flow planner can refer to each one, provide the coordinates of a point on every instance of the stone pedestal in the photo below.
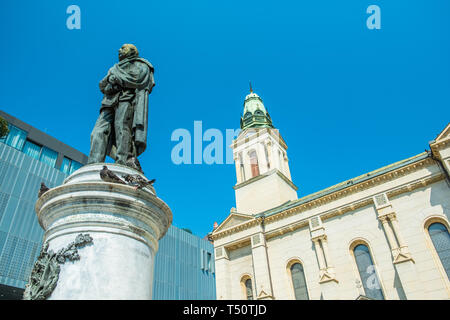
(124, 224)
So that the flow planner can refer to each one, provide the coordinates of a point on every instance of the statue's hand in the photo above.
(108, 89)
(113, 79)
(111, 89)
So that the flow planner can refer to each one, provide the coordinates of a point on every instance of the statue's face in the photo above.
(123, 52)
(127, 50)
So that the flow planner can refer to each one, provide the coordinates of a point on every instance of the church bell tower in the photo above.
(262, 168)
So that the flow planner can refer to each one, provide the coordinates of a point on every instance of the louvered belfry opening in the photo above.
(254, 163)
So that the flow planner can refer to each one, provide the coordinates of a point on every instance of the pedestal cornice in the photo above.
(85, 201)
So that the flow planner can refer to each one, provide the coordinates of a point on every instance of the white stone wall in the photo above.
(296, 245)
(413, 210)
(240, 265)
(342, 231)
(268, 192)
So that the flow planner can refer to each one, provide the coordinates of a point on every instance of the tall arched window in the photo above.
(247, 289)
(299, 282)
(441, 240)
(254, 163)
(367, 272)
(241, 167)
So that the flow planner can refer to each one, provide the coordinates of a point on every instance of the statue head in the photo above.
(128, 50)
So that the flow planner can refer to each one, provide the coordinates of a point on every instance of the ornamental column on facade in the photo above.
(327, 276)
(222, 262)
(401, 257)
(263, 281)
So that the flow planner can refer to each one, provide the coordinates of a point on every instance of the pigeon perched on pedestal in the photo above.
(109, 176)
(133, 162)
(137, 181)
(43, 189)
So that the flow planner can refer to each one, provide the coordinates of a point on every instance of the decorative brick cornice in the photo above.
(260, 220)
(436, 146)
(237, 228)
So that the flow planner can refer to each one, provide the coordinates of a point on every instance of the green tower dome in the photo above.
(255, 114)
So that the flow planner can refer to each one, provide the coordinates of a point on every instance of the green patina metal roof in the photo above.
(255, 114)
(343, 185)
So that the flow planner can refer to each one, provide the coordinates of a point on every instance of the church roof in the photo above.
(340, 187)
(345, 184)
(255, 114)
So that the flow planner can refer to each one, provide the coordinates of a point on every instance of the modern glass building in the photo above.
(183, 265)
(27, 158)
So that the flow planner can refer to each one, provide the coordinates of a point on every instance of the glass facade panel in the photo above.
(180, 271)
(49, 156)
(32, 149)
(16, 137)
(367, 272)
(20, 233)
(65, 166)
(74, 166)
(441, 241)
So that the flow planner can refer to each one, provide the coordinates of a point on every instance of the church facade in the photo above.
(382, 235)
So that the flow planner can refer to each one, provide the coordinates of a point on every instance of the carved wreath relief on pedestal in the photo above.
(45, 273)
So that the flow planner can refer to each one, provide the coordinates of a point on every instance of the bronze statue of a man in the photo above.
(121, 128)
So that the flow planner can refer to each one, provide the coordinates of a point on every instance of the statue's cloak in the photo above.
(133, 74)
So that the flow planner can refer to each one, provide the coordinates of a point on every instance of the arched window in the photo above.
(367, 272)
(248, 289)
(299, 282)
(441, 240)
(254, 163)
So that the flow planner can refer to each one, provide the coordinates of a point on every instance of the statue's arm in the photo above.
(152, 81)
(110, 84)
(103, 83)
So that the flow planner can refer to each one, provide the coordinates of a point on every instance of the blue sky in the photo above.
(347, 100)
